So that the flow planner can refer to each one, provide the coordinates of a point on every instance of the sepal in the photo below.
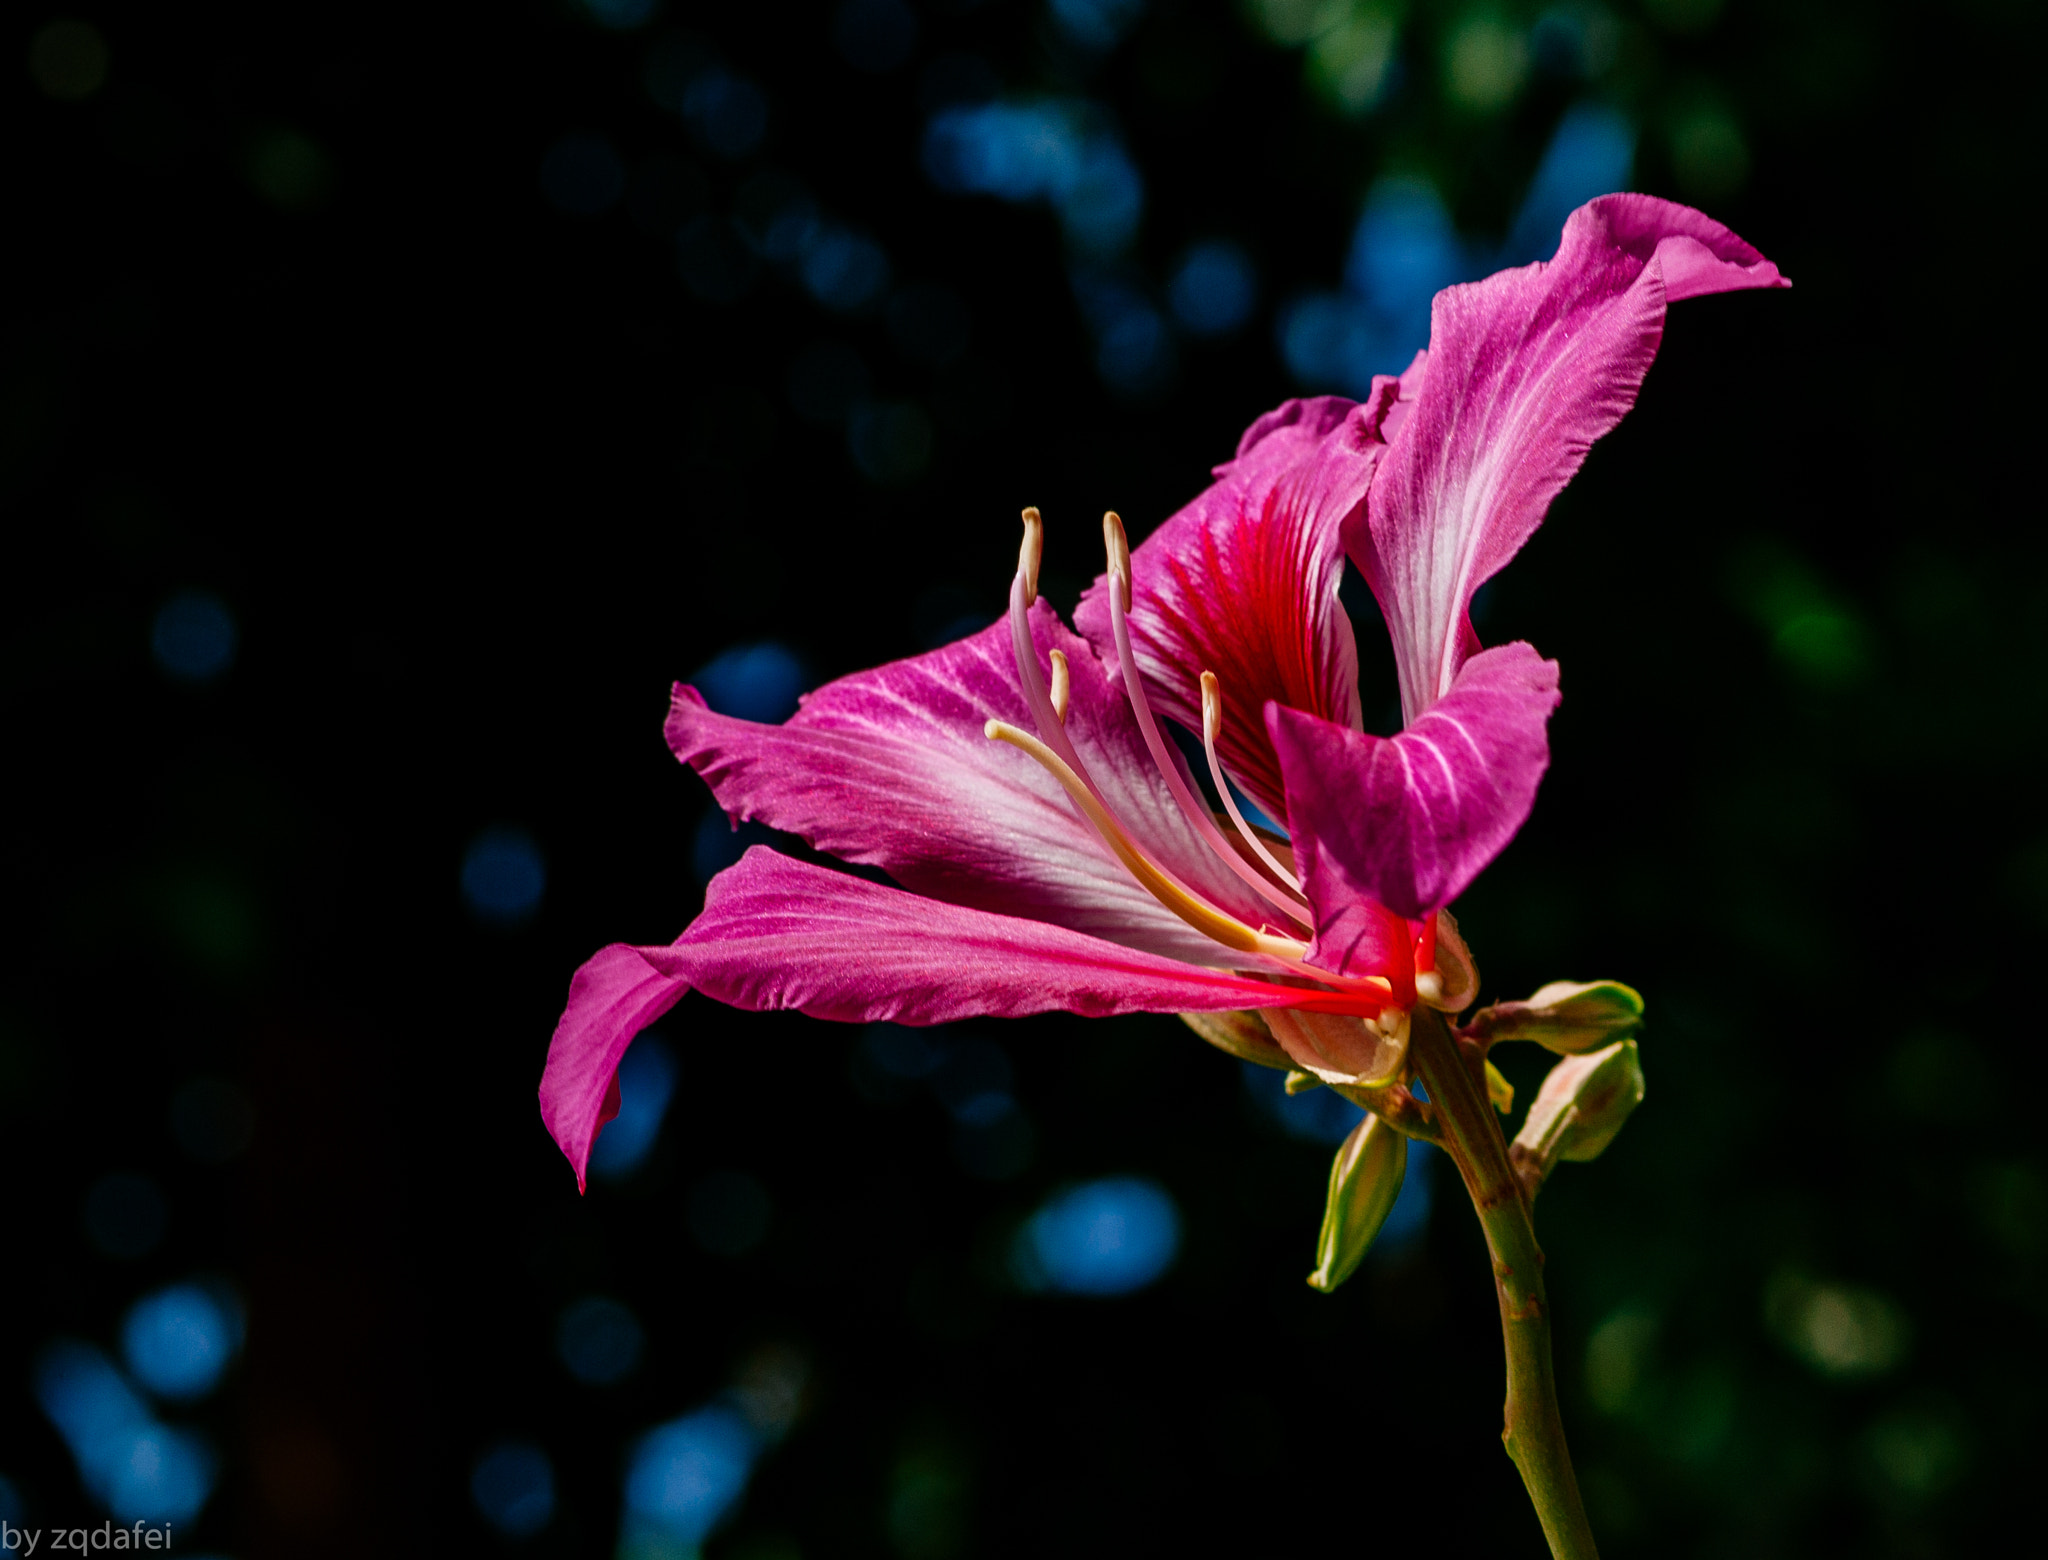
(1457, 974)
(1342, 1048)
(1244, 1035)
(1499, 1090)
(1365, 1178)
(1568, 1017)
(1578, 1111)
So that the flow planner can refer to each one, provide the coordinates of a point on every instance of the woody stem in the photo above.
(1532, 1429)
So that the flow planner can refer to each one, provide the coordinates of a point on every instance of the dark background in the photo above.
(293, 319)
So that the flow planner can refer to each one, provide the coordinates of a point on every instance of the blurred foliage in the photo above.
(305, 314)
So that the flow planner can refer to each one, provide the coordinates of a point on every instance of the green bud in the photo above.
(1244, 1035)
(1365, 1178)
(1578, 1111)
(1299, 1082)
(1568, 1017)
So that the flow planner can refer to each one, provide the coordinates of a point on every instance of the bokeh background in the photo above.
(395, 401)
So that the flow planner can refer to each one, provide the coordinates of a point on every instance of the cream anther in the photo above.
(1119, 547)
(1028, 555)
(1212, 707)
(1061, 683)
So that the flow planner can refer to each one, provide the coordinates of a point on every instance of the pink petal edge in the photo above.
(1525, 370)
(1407, 822)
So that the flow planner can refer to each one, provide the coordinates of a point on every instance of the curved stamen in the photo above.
(1204, 918)
(1212, 728)
(1051, 722)
(1205, 825)
(1030, 551)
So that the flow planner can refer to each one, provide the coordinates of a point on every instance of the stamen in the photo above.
(1134, 685)
(1119, 546)
(1210, 922)
(1051, 722)
(1029, 554)
(1212, 728)
(1061, 684)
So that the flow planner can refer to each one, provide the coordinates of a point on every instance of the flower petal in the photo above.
(892, 768)
(1243, 583)
(1524, 371)
(613, 997)
(1405, 823)
(780, 933)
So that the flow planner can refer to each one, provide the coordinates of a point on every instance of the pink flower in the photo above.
(1072, 862)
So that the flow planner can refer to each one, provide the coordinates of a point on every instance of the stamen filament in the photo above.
(1051, 723)
(1212, 728)
(1204, 918)
(1205, 825)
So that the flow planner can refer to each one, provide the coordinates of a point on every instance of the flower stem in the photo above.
(1532, 1430)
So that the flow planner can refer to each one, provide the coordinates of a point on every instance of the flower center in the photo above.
(1054, 749)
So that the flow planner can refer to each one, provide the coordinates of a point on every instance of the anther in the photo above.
(1061, 682)
(1028, 555)
(1212, 707)
(1119, 547)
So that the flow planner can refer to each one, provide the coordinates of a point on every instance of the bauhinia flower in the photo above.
(1046, 844)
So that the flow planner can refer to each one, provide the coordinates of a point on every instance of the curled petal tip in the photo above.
(1212, 707)
(1062, 683)
(1029, 554)
(1119, 547)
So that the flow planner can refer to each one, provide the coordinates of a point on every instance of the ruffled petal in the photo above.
(613, 997)
(1524, 371)
(780, 933)
(1403, 824)
(1243, 583)
(892, 768)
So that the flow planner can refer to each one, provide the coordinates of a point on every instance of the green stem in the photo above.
(1533, 1430)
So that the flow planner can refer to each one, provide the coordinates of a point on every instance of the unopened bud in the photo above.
(1365, 1178)
(1578, 1111)
(1244, 1035)
(1568, 1017)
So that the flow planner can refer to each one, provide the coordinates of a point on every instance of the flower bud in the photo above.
(1365, 1178)
(1568, 1017)
(1579, 1109)
(1244, 1035)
